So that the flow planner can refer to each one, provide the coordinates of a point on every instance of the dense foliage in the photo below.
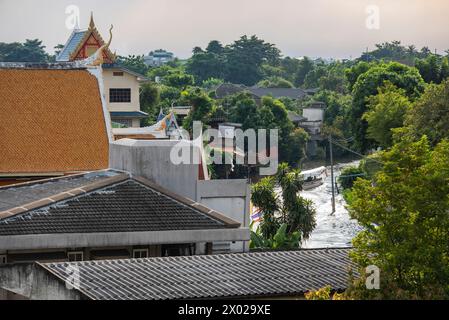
(404, 214)
(293, 217)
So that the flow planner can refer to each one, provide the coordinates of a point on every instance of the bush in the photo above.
(349, 175)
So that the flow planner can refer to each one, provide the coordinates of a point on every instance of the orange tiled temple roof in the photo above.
(51, 121)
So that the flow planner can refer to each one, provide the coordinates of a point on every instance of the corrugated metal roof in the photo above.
(210, 276)
(71, 45)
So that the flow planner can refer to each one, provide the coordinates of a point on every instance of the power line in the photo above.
(355, 152)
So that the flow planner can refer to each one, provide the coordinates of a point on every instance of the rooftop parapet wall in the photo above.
(151, 159)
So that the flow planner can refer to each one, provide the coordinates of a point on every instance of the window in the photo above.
(75, 256)
(119, 95)
(117, 74)
(126, 122)
(2, 259)
(140, 253)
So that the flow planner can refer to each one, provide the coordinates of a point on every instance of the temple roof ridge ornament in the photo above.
(92, 30)
(97, 58)
(91, 23)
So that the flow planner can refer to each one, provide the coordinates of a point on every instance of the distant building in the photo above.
(158, 57)
(121, 85)
(227, 89)
(313, 116)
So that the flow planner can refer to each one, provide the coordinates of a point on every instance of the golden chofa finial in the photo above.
(91, 23)
(98, 55)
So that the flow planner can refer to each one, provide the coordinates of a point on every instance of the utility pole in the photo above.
(332, 173)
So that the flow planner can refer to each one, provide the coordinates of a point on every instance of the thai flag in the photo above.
(257, 217)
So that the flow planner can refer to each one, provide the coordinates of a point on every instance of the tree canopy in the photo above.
(386, 111)
(367, 84)
(404, 215)
(29, 51)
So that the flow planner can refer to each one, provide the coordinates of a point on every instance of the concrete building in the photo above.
(153, 159)
(121, 85)
(158, 57)
(313, 122)
(257, 93)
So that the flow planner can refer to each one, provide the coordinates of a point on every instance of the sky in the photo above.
(316, 28)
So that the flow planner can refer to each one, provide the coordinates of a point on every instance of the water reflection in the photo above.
(332, 230)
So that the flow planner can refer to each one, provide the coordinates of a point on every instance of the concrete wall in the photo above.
(151, 159)
(313, 114)
(33, 282)
(230, 197)
(121, 82)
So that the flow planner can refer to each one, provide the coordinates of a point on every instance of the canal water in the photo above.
(332, 229)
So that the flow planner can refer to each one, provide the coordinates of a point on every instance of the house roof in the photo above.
(77, 40)
(72, 43)
(21, 194)
(292, 93)
(128, 114)
(117, 66)
(294, 117)
(275, 273)
(118, 203)
(51, 119)
(229, 89)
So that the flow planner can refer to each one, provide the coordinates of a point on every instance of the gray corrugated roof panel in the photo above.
(275, 273)
(125, 206)
(23, 193)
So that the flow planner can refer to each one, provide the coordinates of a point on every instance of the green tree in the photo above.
(58, 48)
(433, 68)
(211, 83)
(215, 47)
(245, 58)
(206, 65)
(298, 143)
(386, 111)
(133, 63)
(149, 102)
(295, 214)
(202, 107)
(305, 66)
(367, 84)
(430, 114)
(29, 51)
(349, 175)
(178, 79)
(283, 124)
(245, 111)
(404, 215)
(353, 73)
